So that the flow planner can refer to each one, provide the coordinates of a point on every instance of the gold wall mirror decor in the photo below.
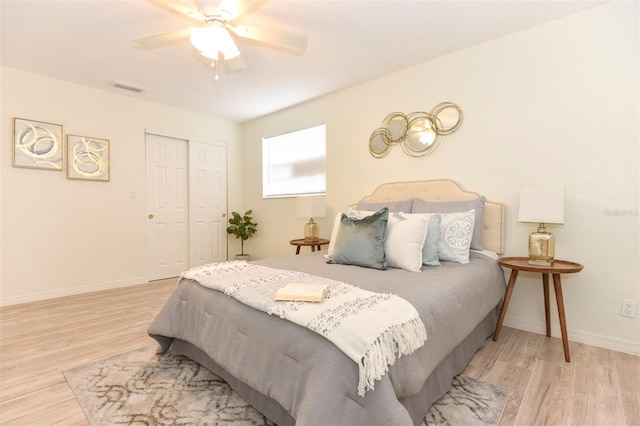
(418, 133)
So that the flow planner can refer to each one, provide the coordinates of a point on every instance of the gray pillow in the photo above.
(361, 241)
(393, 206)
(477, 204)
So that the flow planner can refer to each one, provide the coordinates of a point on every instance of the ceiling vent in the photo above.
(128, 86)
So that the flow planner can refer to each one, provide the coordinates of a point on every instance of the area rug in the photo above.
(141, 388)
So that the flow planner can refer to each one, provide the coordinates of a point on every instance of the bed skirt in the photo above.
(438, 383)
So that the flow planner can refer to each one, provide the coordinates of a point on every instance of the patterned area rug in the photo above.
(141, 388)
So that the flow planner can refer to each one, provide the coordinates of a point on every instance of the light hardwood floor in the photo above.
(40, 340)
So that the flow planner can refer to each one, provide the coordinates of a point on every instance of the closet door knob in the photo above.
(150, 216)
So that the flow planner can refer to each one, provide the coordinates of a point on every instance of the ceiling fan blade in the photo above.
(175, 6)
(208, 7)
(281, 40)
(235, 10)
(161, 39)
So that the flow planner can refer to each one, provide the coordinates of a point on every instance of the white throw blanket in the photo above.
(373, 329)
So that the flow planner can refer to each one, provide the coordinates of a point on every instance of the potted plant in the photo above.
(242, 227)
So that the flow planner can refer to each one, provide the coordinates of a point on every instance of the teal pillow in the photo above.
(430, 248)
(361, 241)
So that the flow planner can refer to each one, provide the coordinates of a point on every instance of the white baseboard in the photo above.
(599, 340)
(71, 291)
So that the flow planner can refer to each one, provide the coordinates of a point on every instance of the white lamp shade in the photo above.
(542, 204)
(311, 206)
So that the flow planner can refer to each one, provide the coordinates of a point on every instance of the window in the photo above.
(294, 163)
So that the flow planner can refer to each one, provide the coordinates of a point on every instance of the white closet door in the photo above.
(208, 203)
(167, 206)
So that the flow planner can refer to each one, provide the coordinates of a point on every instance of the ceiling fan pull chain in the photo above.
(214, 65)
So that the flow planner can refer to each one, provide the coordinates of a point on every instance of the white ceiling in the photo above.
(350, 41)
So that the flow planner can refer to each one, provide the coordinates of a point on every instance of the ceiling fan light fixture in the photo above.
(213, 40)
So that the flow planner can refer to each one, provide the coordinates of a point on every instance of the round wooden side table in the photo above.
(559, 267)
(313, 244)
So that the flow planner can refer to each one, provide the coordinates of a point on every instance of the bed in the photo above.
(295, 376)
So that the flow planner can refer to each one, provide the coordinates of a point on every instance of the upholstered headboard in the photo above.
(446, 190)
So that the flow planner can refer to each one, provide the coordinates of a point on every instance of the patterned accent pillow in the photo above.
(456, 231)
(422, 206)
(361, 241)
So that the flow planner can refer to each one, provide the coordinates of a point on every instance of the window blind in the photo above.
(294, 163)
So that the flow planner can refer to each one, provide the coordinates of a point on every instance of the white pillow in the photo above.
(406, 234)
(456, 231)
(430, 247)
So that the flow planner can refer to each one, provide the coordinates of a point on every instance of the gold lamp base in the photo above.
(541, 247)
(311, 231)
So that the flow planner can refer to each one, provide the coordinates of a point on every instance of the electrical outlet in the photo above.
(628, 308)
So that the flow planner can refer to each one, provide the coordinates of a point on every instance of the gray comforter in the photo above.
(295, 375)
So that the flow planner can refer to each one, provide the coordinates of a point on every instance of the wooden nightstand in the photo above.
(517, 264)
(313, 244)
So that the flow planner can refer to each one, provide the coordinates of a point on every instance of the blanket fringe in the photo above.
(398, 340)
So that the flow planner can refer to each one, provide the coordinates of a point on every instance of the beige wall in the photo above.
(63, 237)
(557, 103)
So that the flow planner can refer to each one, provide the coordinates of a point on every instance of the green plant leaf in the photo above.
(242, 227)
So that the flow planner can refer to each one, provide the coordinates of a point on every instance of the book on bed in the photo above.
(302, 292)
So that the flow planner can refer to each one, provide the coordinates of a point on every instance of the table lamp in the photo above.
(542, 204)
(311, 206)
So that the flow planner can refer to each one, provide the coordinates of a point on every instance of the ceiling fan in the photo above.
(217, 22)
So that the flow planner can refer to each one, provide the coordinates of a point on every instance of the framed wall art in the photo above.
(37, 144)
(87, 158)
